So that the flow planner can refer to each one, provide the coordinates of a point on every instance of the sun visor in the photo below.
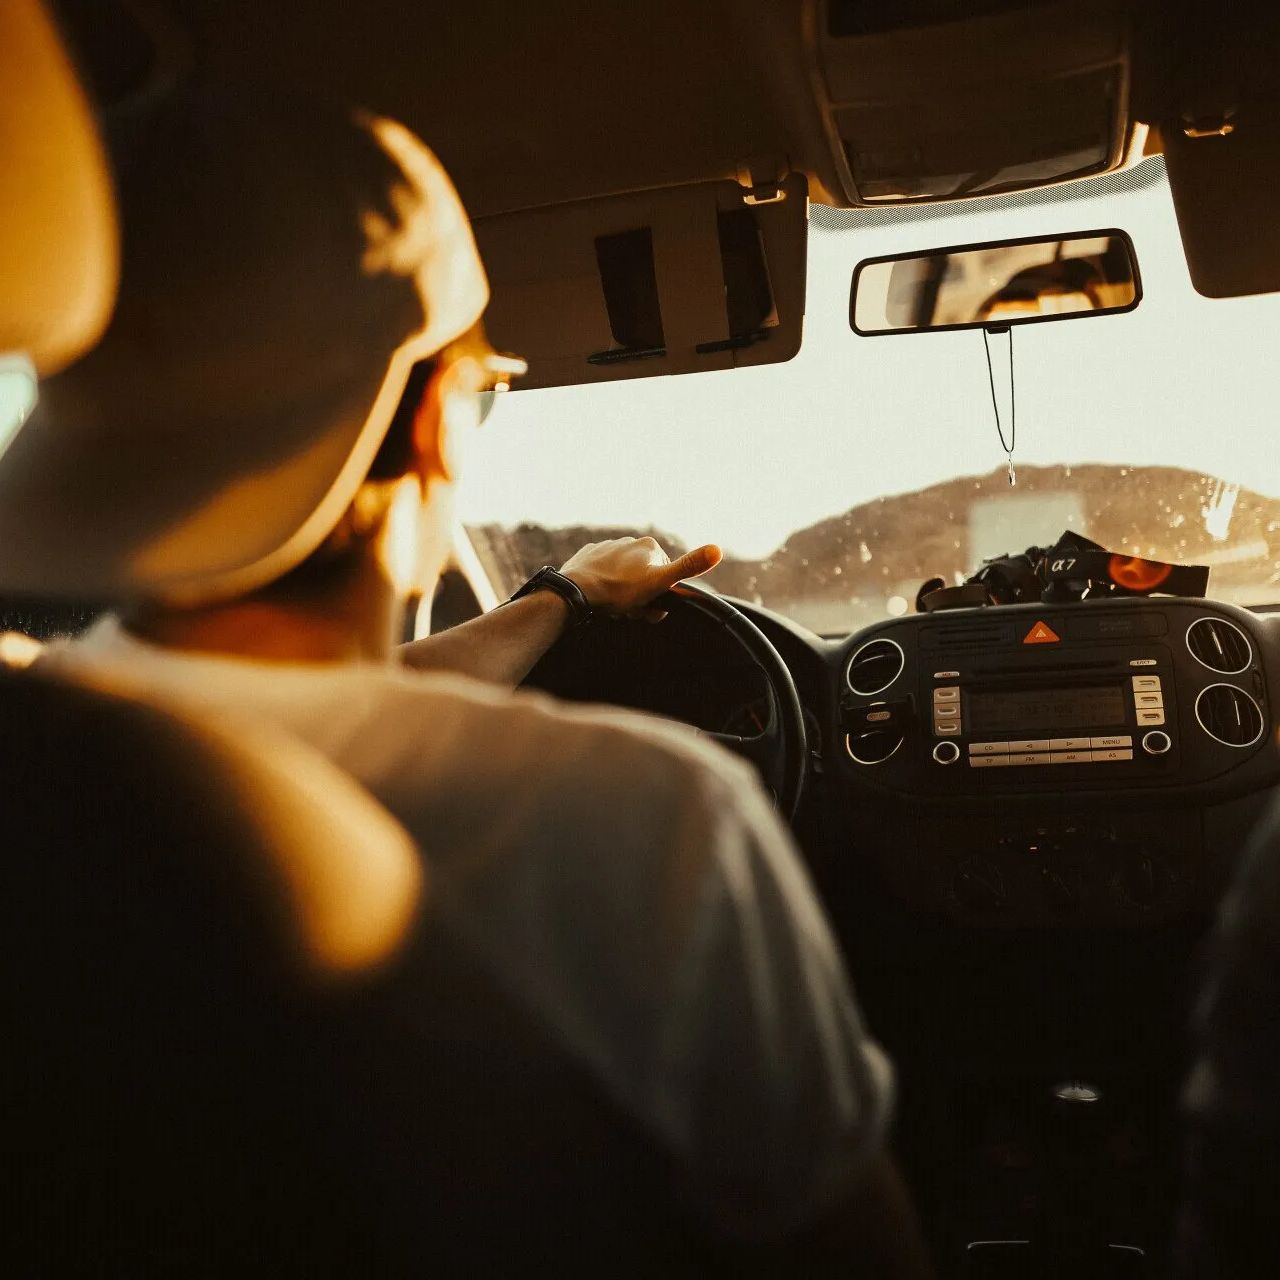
(675, 280)
(1221, 142)
(1226, 214)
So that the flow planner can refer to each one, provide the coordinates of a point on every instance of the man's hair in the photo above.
(397, 453)
(332, 564)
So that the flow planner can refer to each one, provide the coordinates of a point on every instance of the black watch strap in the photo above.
(549, 579)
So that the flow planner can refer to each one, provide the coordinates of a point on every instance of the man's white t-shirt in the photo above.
(628, 883)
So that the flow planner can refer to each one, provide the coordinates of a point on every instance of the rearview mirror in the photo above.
(1003, 282)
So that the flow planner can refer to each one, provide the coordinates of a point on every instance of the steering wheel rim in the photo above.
(782, 748)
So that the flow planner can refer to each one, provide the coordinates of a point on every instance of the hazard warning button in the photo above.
(1041, 633)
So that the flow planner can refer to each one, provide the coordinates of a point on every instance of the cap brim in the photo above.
(103, 515)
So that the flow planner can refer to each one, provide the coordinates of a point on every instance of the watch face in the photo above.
(550, 579)
(566, 589)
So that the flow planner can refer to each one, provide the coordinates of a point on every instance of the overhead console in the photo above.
(920, 104)
(675, 280)
(1031, 742)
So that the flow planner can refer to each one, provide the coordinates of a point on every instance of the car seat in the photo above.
(235, 1038)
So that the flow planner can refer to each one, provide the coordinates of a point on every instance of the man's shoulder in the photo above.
(420, 733)
(609, 745)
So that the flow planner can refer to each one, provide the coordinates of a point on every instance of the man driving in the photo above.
(256, 466)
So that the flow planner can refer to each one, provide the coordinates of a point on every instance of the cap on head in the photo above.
(283, 267)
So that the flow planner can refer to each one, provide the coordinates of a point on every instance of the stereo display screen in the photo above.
(1038, 713)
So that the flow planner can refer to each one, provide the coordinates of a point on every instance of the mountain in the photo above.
(854, 568)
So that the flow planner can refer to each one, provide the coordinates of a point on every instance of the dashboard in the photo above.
(1020, 821)
(1089, 765)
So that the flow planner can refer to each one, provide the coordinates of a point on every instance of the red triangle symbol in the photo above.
(1041, 633)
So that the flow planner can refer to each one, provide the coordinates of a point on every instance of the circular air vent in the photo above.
(1230, 715)
(1219, 645)
(875, 666)
(873, 747)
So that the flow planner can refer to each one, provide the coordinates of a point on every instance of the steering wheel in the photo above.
(780, 751)
(633, 665)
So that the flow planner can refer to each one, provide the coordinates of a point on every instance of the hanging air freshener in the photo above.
(1006, 445)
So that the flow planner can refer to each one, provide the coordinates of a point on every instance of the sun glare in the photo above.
(19, 391)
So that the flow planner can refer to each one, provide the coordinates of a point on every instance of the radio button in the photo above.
(1151, 716)
(988, 748)
(946, 728)
(1150, 700)
(1111, 740)
(1146, 684)
(1115, 753)
(1030, 757)
(1070, 757)
(1070, 744)
(946, 675)
(947, 693)
(1142, 662)
(989, 762)
(1029, 744)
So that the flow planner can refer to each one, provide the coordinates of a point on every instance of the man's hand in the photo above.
(624, 575)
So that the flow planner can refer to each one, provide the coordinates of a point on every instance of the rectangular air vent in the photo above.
(966, 635)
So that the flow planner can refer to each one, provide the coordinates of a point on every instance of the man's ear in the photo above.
(431, 446)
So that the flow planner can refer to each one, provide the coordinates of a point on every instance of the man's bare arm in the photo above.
(501, 646)
(621, 577)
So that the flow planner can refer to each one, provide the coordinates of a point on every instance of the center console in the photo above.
(1057, 760)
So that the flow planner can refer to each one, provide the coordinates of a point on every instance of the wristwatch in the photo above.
(549, 579)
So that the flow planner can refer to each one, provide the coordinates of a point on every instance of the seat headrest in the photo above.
(182, 909)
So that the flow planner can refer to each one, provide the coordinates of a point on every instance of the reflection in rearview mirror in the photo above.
(996, 284)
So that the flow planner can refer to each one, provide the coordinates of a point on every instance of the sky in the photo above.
(744, 457)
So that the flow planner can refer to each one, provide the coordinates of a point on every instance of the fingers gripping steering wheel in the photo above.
(780, 751)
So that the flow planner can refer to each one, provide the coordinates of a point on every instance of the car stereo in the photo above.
(1022, 721)
(1093, 696)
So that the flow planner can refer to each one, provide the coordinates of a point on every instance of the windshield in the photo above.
(838, 482)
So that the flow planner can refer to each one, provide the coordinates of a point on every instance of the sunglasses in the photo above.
(488, 372)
